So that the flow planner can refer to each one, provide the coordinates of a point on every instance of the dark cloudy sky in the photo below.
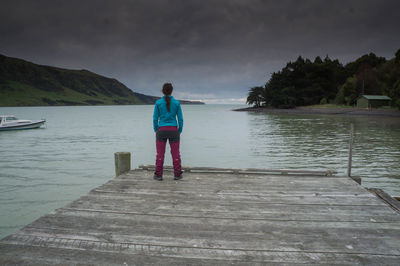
(210, 50)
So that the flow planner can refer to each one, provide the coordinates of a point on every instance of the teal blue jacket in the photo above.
(161, 116)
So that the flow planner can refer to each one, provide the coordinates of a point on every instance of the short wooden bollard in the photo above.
(350, 150)
(122, 162)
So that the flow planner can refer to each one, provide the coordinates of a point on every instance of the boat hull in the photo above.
(21, 126)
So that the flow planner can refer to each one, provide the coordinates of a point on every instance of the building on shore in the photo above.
(373, 101)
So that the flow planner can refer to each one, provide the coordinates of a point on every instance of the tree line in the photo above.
(305, 82)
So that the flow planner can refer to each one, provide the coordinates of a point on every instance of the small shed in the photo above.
(373, 101)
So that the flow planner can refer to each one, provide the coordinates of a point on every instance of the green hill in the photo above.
(24, 83)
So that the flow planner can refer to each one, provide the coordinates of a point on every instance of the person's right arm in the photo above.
(156, 116)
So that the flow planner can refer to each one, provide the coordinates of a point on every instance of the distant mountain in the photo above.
(24, 83)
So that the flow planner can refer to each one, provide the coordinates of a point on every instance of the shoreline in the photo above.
(64, 105)
(323, 111)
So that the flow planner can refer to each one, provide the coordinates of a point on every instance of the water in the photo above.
(44, 169)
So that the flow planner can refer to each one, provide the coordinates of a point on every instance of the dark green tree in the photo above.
(256, 96)
(368, 59)
(304, 82)
(348, 92)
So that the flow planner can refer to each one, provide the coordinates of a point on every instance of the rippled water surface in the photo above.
(43, 169)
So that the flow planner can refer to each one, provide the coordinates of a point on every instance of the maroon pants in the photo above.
(172, 135)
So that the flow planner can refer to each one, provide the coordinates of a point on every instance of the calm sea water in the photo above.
(44, 169)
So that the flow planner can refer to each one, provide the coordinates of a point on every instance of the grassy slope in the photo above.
(26, 84)
(20, 94)
(327, 106)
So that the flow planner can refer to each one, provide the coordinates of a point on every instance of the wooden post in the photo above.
(122, 162)
(386, 197)
(350, 150)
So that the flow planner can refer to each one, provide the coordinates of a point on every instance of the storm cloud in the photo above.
(210, 50)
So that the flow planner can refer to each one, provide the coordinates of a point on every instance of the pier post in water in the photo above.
(350, 150)
(122, 162)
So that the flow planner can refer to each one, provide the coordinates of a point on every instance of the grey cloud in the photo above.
(209, 47)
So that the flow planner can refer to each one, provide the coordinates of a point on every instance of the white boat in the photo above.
(10, 122)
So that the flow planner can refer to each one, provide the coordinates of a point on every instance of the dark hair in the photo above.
(167, 90)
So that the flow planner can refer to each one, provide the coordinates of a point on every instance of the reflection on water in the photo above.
(44, 169)
(321, 141)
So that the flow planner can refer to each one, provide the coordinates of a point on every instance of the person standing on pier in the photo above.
(168, 125)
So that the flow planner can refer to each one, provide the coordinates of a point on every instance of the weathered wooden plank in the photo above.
(356, 179)
(235, 210)
(90, 254)
(268, 184)
(135, 254)
(277, 198)
(230, 175)
(245, 170)
(238, 192)
(219, 191)
(226, 177)
(306, 244)
(395, 204)
(62, 217)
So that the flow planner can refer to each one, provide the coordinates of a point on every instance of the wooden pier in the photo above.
(215, 217)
